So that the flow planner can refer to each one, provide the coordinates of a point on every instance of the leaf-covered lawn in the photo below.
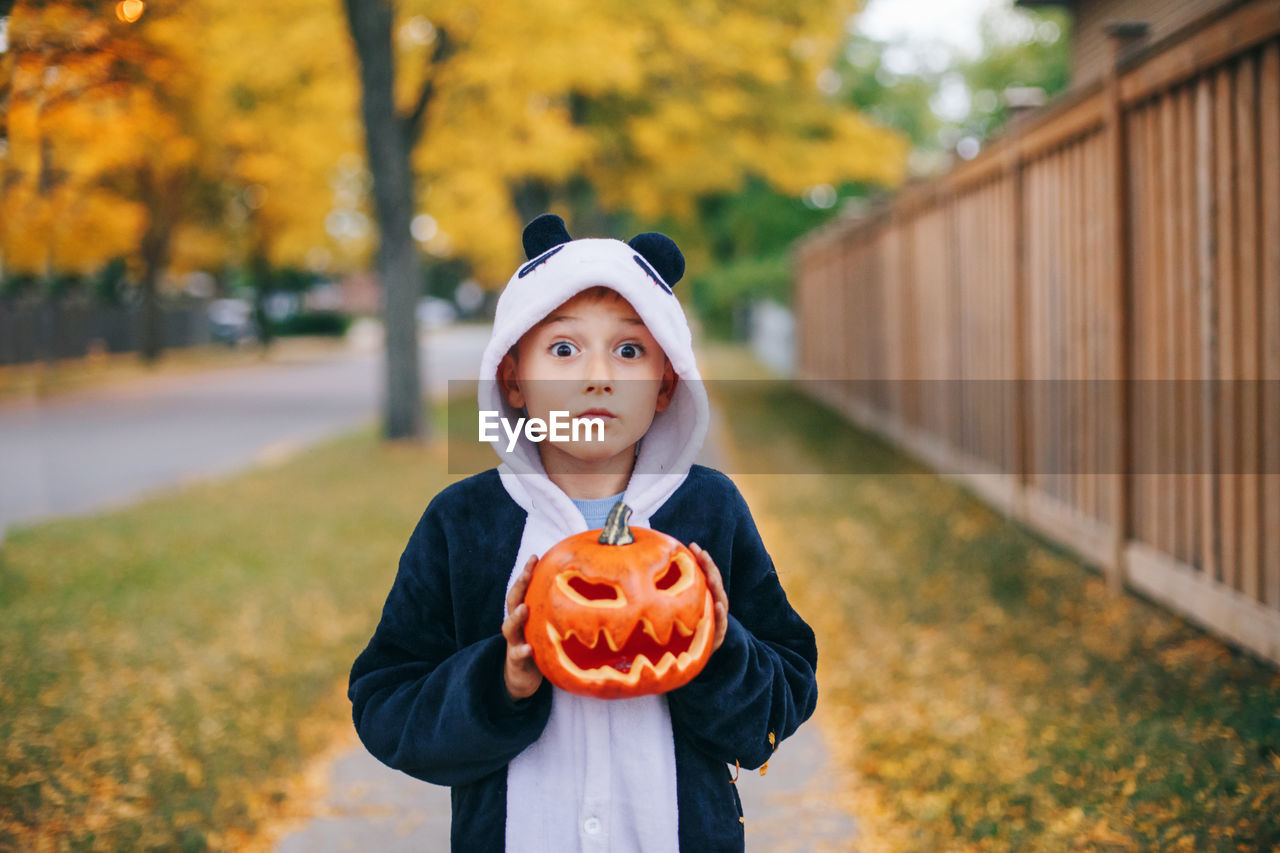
(170, 671)
(984, 688)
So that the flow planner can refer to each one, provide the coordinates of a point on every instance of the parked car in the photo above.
(434, 312)
(231, 321)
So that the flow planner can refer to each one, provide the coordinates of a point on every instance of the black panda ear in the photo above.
(542, 233)
(662, 254)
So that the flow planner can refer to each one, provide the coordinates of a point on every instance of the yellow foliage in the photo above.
(194, 102)
(280, 100)
(655, 104)
(238, 122)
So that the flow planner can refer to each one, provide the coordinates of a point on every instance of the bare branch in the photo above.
(413, 123)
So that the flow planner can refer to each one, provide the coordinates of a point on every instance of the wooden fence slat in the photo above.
(1188, 333)
(1084, 456)
(1018, 217)
(1206, 250)
(1174, 430)
(1227, 320)
(1100, 320)
(1167, 451)
(1247, 307)
(1155, 323)
(1088, 331)
(1005, 300)
(1085, 331)
(1139, 323)
(1042, 425)
(1069, 236)
(1269, 168)
(1060, 191)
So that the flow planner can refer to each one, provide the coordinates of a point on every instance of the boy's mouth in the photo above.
(595, 413)
(604, 660)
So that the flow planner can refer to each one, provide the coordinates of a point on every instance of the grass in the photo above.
(174, 673)
(170, 670)
(982, 686)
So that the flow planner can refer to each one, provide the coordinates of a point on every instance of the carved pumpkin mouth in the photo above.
(603, 659)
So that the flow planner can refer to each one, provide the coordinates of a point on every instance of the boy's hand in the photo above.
(520, 673)
(718, 597)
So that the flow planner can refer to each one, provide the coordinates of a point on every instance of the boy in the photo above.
(447, 690)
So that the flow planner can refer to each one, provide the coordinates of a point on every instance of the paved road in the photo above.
(80, 453)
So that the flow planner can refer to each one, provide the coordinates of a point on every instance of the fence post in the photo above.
(1015, 169)
(1121, 290)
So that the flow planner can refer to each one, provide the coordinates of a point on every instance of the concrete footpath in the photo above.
(368, 806)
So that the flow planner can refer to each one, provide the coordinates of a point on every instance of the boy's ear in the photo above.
(667, 389)
(507, 382)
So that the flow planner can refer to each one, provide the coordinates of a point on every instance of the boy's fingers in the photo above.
(722, 625)
(714, 580)
(704, 559)
(521, 586)
(715, 583)
(513, 626)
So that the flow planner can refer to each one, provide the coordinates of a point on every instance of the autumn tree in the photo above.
(100, 162)
(278, 105)
(177, 135)
(652, 106)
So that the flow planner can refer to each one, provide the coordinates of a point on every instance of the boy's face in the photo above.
(592, 357)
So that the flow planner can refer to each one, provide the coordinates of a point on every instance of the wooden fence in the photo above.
(1083, 323)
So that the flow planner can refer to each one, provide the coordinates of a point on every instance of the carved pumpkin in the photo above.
(617, 612)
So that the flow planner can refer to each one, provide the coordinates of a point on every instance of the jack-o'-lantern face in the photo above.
(619, 620)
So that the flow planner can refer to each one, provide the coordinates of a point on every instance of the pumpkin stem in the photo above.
(615, 530)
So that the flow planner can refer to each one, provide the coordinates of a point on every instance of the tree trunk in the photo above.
(155, 256)
(150, 347)
(531, 198)
(260, 278)
(388, 150)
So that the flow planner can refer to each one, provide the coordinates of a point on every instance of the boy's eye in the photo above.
(563, 349)
(629, 350)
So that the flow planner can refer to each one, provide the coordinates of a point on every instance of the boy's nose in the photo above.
(599, 376)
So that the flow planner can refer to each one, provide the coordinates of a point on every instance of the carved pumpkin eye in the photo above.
(593, 591)
(670, 577)
(590, 593)
(677, 576)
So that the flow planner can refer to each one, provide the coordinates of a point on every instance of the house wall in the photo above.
(1091, 51)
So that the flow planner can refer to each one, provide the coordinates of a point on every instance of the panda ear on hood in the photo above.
(662, 254)
(543, 233)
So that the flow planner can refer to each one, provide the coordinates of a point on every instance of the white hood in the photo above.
(549, 279)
